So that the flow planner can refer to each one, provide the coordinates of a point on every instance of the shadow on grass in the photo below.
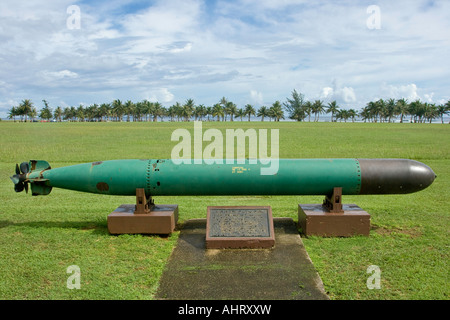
(95, 227)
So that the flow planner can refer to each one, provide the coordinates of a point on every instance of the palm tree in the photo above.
(352, 114)
(417, 110)
(263, 112)
(317, 108)
(217, 111)
(12, 113)
(308, 109)
(209, 111)
(69, 113)
(332, 108)
(26, 108)
(231, 109)
(172, 112)
(343, 114)
(200, 112)
(188, 109)
(148, 110)
(372, 111)
(380, 108)
(129, 109)
(249, 110)
(390, 109)
(277, 111)
(57, 114)
(104, 111)
(178, 110)
(162, 113)
(157, 111)
(118, 109)
(364, 114)
(92, 112)
(73, 113)
(66, 113)
(431, 111)
(33, 114)
(240, 113)
(443, 110)
(346, 115)
(401, 108)
(223, 102)
(80, 113)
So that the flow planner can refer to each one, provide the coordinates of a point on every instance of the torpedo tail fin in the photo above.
(31, 173)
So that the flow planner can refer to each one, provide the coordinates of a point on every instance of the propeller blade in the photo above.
(17, 169)
(26, 187)
(24, 167)
(15, 179)
(18, 187)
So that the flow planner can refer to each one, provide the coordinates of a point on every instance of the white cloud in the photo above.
(409, 91)
(348, 94)
(428, 97)
(256, 97)
(164, 18)
(345, 94)
(327, 93)
(49, 75)
(161, 95)
(105, 33)
(186, 48)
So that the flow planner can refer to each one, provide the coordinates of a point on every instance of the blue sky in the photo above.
(249, 51)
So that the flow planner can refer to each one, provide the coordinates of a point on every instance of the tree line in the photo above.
(296, 107)
(375, 111)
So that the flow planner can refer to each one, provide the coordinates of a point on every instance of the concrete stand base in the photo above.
(315, 220)
(284, 272)
(160, 220)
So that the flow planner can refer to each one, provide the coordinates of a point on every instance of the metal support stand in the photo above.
(144, 205)
(333, 203)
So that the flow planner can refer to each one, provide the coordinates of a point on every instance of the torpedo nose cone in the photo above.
(394, 176)
(422, 174)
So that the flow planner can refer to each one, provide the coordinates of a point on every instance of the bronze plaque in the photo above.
(239, 227)
(239, 222)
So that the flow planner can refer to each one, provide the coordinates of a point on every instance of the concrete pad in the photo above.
(284, 272)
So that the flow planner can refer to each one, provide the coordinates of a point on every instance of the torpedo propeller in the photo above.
(20, 179)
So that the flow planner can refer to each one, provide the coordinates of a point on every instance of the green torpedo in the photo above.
(166, 177)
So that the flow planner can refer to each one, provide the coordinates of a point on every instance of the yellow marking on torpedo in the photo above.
(238, 169)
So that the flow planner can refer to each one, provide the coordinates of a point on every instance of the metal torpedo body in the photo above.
(166, 178)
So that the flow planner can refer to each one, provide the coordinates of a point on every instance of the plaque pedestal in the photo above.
(232, 227)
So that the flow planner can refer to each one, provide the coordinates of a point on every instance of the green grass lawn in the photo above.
(40, 237)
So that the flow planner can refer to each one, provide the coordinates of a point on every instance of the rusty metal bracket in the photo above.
(144, 204)
(333, 203)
